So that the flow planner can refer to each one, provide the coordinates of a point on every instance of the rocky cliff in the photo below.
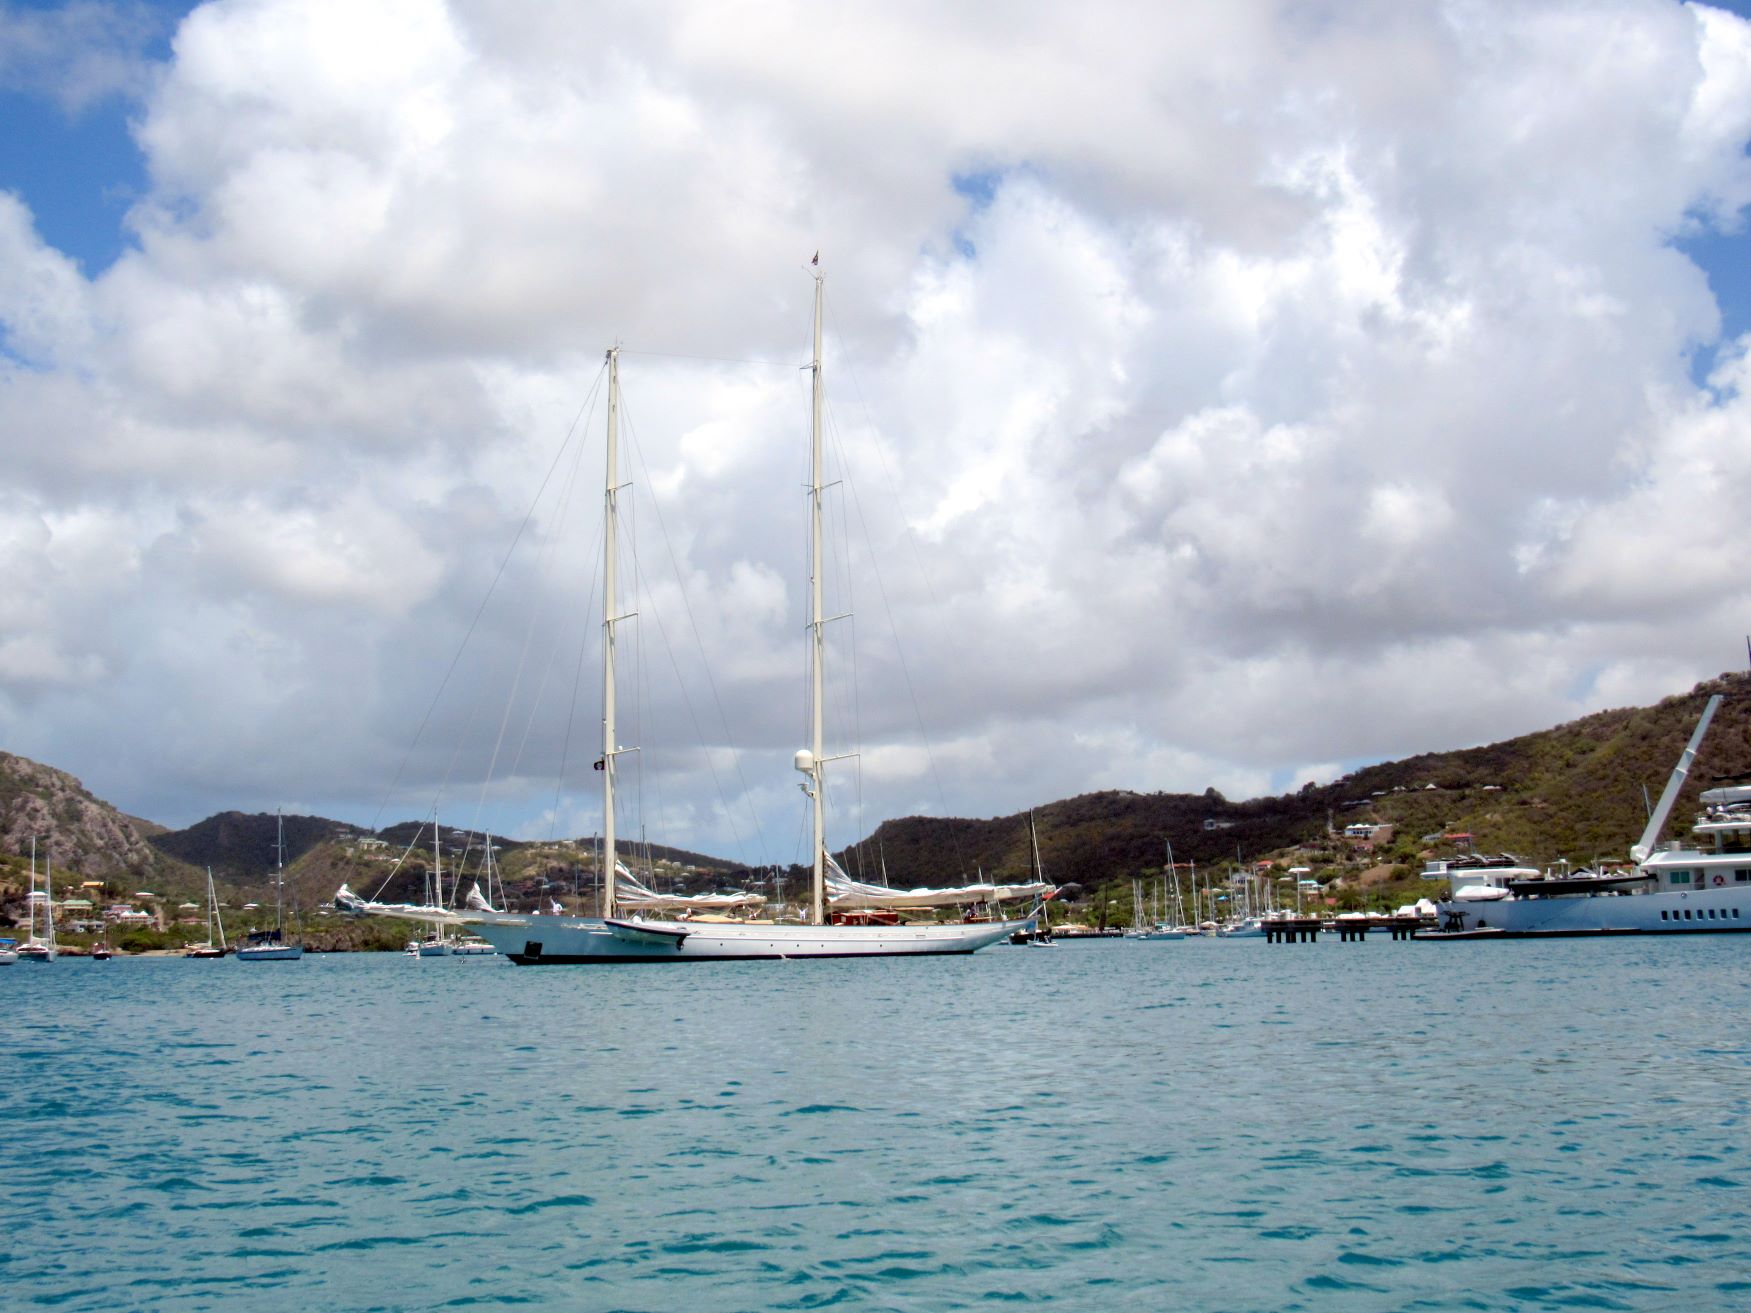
(73, 829)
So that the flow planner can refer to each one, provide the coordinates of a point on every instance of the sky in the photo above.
(1221, 395)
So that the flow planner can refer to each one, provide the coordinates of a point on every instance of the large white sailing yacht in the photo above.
(542, 938)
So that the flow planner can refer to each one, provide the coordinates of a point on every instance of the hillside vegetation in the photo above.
(1574, 792)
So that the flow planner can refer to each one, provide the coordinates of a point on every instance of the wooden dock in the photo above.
(1306, 929)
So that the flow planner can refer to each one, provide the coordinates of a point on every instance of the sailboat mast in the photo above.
(817, 627)
(279, 864)
(610, 614)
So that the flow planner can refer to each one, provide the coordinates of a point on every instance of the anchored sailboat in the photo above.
(271, 945)
(215, 926)
(541, 938)
(40, 948)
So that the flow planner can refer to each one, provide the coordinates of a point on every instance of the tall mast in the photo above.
(817, 626)
(610, 609)
(279, 862)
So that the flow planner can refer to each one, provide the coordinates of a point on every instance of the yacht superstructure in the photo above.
(1673, 888)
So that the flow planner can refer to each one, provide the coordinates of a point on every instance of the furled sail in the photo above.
(348, 901)
(844, 892)
(629, 893)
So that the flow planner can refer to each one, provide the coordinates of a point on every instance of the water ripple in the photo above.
(360, 1136)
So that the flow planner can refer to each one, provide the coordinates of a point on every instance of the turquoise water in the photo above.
(1199, 1125)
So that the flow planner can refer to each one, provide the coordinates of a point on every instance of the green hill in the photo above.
(1575, 792)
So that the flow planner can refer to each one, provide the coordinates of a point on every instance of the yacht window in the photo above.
(1735, 914)
(1711, 913)
(1742, 876)
(1687, 914)
(1680, 877)
(1662, 916)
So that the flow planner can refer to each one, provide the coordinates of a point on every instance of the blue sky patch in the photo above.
(78, 176)
(979, 187)
(77, 167)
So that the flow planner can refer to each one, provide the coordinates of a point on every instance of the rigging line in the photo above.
(674, 661)
(456, 869)
(923, 570)
(849, 609)
(644, 730)
(397, 864)
(720, 360)
(535, 616)
(561, 516)
(705, 663)
(476, 706)
(887, 471)
(577, 684)
(906, 673)
(528, 515)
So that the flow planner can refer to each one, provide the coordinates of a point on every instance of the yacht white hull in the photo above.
(560, 940)
(1724, 910)
(271, 953)
(36, 953)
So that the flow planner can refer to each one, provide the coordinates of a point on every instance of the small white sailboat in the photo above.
(1180, 911)
(1163, 928)
(40, 948)
(1040, 935)
(544, 938)
(435, 911)
(215, 925)
(437, 942)
(271, 945)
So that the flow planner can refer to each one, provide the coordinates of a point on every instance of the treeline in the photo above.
(1578, 791)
